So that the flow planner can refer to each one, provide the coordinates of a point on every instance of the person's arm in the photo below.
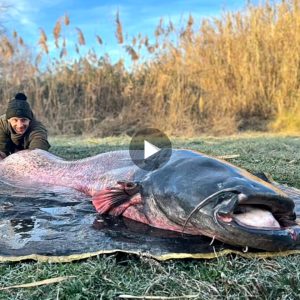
(38, 137)
(5, 141)
(2, 155)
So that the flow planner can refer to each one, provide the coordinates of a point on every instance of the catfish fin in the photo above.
(110, 198)
(264, 176)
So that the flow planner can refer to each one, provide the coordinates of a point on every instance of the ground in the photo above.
(228, 277)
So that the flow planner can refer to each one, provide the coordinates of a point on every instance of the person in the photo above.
(19, 129)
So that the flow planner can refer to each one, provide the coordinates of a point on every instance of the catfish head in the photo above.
(200, 195)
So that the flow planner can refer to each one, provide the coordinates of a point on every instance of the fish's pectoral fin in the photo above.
(115, 200)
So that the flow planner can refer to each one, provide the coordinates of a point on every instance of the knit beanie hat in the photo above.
(19, 107)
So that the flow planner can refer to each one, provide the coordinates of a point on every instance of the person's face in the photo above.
(19, 125)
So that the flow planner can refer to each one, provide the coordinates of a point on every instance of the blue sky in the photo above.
(98, 18)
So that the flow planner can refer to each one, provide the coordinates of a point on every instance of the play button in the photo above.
(150, 149)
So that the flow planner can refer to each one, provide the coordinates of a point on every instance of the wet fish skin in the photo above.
(177, 196)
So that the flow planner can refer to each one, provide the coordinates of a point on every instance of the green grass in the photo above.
(230, 277)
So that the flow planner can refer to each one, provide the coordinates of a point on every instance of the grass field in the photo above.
(229, 277)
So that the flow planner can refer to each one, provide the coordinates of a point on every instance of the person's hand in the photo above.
(2, 155)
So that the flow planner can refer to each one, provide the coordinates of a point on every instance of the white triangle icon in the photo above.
(149, 149)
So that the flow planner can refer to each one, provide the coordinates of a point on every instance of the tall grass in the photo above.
(239, 71)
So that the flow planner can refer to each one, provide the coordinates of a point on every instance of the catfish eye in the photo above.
(130, 185)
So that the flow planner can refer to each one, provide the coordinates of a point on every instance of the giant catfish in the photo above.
(192, 193)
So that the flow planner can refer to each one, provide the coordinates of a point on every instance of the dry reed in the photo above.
(56, 32)
(119, 30)
(81, 39)
(240, 71)
(43, 41)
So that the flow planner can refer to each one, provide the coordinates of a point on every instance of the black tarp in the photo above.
(59, 225)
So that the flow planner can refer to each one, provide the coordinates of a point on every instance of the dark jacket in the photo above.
(35, 137)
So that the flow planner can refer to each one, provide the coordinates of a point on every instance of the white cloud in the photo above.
(20, 15)
(28, 16)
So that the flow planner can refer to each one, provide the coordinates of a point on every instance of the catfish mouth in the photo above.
(259, 211)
